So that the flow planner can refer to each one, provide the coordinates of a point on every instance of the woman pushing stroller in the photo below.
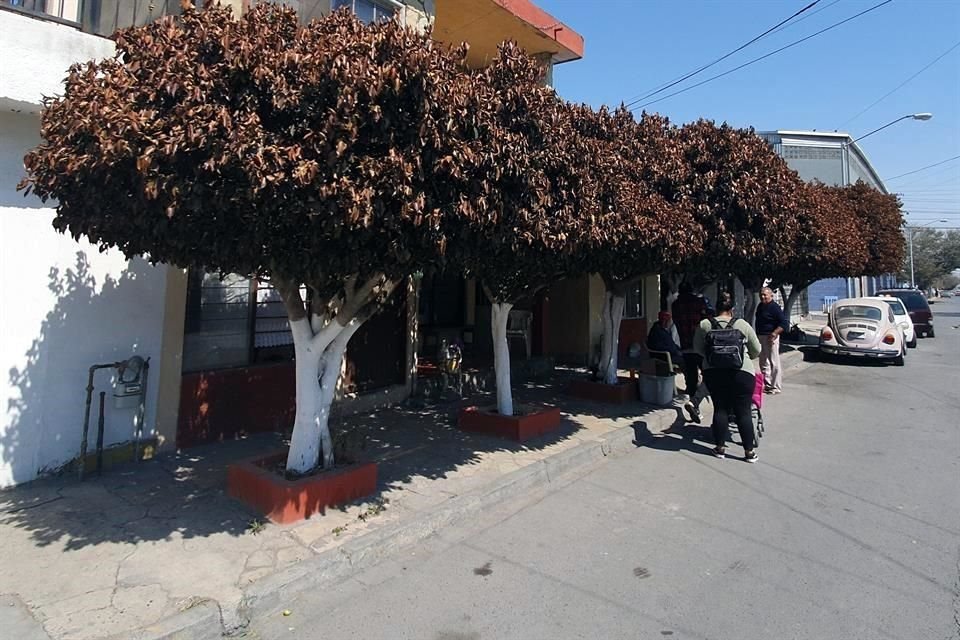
(728, 347)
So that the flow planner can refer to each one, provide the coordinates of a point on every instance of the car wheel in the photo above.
(930, 334)
(913, 343)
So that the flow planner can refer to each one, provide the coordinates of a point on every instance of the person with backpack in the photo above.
(728, 347)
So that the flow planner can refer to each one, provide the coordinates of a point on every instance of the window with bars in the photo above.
(233, 322)
(367, 10)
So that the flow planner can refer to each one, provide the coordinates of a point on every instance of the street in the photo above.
(847, 528)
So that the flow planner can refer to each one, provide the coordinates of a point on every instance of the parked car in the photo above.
(916, 304)
(864, 328)
(902, 318)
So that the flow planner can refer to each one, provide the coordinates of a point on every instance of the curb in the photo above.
(200, 622)
(209, 620)
(269, 594)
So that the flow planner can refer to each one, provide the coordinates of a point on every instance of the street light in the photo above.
(914, 116)
(913, 284)
(846, 169)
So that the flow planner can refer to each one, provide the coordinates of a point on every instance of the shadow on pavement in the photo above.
(680, 436)
(184, 493)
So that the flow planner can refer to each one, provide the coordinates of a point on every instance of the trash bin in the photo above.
(657, 390)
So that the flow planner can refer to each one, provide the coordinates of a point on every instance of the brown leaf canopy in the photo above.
(831, 242)
(881, 224)
(744, 197)
(640, 222)
(257, 145)
(520, 185)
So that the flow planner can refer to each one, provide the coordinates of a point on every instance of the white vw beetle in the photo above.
(864, 328)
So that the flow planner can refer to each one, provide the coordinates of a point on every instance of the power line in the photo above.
(929, 166)
(746, 64)
(809, 15)
(899, 86)
(720, 59)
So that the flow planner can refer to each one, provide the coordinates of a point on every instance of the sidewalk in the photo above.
(149, 549)
(146, 546)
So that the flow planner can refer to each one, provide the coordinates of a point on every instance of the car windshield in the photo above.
(913, 299)
(859, 311)
(897, 306)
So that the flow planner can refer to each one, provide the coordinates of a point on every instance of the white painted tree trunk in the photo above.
(613, 307)
(318, 365)
(304, 450)
(320, 342)
(329, 377)
(500, 313)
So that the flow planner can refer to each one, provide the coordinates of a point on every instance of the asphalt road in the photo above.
(848, 528)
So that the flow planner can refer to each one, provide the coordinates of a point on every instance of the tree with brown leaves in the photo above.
(881, 223)
(312, 156)
(520, 208)
(641, 223)
(831, 242)
(744, 198)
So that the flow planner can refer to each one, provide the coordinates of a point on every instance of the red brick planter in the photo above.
(284, 501)
(624, 391)
(486, 420)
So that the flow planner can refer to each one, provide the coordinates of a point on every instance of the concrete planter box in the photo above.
(532, 422)
(624, 391)
(283, 501)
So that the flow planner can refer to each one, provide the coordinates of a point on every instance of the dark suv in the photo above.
(917, 307)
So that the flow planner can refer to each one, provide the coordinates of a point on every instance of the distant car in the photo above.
(916, 304)
(863, 328)
(902, 318)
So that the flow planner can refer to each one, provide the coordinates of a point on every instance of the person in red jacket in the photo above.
(688, 311)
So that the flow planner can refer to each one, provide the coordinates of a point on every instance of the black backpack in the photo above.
(724, 346)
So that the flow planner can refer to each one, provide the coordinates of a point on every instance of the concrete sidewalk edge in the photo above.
(201, 621)
(270, 593)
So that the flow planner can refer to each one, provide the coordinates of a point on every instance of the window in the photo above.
(233, 322)
(367, 10)
(860, 311)
(635, 307)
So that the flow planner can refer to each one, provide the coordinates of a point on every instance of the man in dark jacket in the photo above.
(663, 337)
(770, 323)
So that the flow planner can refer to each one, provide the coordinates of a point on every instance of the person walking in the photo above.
(688, 311)
(770, 323)
(728, 347)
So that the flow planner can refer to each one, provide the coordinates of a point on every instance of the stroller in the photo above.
(755, 405)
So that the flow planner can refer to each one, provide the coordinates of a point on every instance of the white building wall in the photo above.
(36, 56)
(63, 305)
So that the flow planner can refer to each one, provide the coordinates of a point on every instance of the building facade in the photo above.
(832, 158)
(220, 350)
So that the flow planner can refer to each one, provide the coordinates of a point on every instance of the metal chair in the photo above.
(519, 325)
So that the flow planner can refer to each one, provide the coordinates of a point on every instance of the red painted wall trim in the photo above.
(545, 24)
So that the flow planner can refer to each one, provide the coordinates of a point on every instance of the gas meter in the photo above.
(128, 384)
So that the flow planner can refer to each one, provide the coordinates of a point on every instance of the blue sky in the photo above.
(633, 46)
